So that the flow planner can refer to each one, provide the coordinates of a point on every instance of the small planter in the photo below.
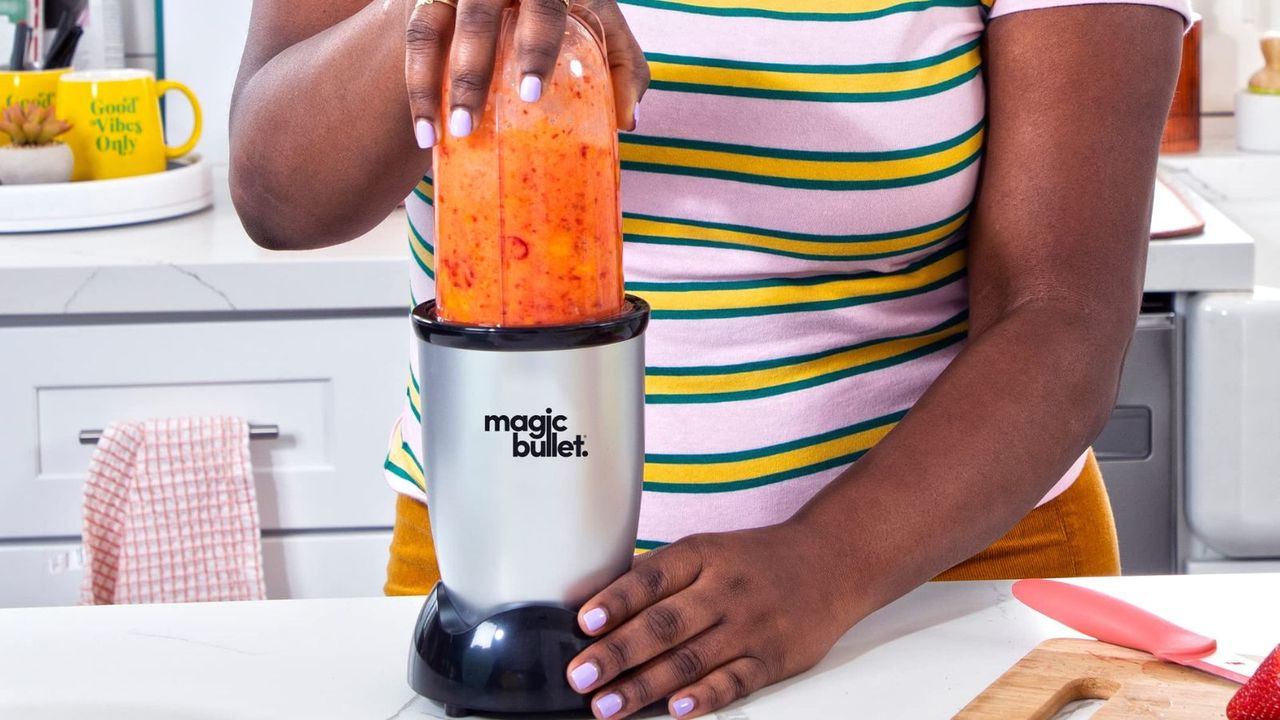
(28, 165)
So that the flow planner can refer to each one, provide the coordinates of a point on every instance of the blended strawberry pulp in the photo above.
(528, 228)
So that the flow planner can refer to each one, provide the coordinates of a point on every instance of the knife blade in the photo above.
(1115, 621)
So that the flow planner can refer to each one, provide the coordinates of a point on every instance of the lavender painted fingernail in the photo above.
(460, 122)
(594, 619)
(609, 705)
(683, 706)
(530, 88)
(584, 676)
(425, 132)
(635, 115)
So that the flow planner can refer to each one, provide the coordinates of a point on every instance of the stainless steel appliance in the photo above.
(1140, 449)
(534, 459)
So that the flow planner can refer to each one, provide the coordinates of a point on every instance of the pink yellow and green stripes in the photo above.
(749, 381)
(744, 298)
(413, 392)
(422, 251)
(402, 462)
(868, 82)
(653, 230)
(804, 169)
(726, 472)
(425, 191)
(799, 10)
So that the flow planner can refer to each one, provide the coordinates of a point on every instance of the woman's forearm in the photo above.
(716, 616)
(322, 144)
(1057, 248)
(992, 435)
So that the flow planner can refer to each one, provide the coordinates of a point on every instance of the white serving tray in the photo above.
(187, 186)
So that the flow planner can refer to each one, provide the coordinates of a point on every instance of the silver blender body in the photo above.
(533, 453)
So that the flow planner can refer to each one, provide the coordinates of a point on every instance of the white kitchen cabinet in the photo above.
(296, 565)
(333, 386)
(189, 317)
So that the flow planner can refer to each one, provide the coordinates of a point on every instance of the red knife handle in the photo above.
(1110, 619)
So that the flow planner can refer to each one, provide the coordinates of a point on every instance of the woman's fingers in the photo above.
(468, 37)
(627, 64)
(653, 578)
(704, 622)
(726, 684)
(475, 40)
(680, 667)
(427, 44)
(539, 33)
(652, 632)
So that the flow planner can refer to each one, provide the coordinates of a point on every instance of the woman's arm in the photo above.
(1057, 258)
(322, 147)
(1077, 100)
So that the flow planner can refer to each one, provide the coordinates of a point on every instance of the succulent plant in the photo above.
(28, 124)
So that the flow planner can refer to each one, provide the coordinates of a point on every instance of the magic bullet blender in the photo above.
(531, 362)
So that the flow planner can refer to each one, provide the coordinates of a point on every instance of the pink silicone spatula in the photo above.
(1115, 621)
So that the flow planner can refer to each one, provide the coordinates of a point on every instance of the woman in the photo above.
(806, 211)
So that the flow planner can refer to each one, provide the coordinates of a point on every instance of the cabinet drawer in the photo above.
(333, 387)
(301, 409)
(306, 565)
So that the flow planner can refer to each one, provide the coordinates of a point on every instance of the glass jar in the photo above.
(1182, 128)
(528, 225)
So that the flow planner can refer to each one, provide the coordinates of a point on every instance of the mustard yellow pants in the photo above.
(1072, 535)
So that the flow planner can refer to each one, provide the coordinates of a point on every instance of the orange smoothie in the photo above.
(528, 227)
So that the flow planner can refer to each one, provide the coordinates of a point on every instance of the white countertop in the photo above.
(925, 656)
(1243, 186)
(206, 263)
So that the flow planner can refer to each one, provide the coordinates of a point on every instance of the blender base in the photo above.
(511, 662)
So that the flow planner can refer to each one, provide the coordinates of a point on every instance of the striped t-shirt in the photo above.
(794, 209)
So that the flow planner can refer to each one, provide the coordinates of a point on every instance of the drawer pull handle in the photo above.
(256, 432)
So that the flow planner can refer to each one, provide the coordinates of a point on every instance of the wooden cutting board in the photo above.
(1134, 685)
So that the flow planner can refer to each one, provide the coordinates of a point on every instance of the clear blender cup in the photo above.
(528, 227)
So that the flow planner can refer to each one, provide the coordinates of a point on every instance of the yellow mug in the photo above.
(24, 86)
(116, 129)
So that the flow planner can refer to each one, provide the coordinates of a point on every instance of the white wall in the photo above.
(203, 43)
(1229, 48)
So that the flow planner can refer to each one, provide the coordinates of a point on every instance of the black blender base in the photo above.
(510, 663)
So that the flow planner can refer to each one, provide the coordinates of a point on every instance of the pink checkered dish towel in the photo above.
(170, 514)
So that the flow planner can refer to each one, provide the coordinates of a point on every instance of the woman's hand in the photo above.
(467, 36)
(710, 619)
